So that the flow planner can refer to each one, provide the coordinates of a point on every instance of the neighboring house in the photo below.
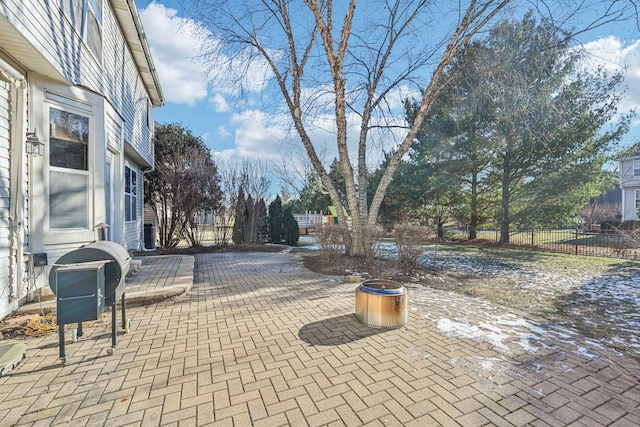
(77, 80)
(630, 184)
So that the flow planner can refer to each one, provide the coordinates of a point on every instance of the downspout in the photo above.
(16, 154)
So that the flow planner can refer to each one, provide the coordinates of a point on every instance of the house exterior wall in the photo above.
(630, 185)
(126, 92)
(96, 94)
(630, 213)
(5, 172)
(7, 246)
(14, 214)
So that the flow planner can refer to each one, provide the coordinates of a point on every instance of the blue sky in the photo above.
(233, 130)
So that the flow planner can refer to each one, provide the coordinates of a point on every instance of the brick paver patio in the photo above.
(260, 340)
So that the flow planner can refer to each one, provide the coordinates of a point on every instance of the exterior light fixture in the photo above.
(35, 147)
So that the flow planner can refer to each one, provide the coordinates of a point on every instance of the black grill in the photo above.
(85, 281)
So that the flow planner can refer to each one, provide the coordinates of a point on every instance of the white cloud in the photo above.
(223, 132)
(244, 73)
(610, 53)
(259, 134)
(219, 103)
(205, 136)
(174, 42)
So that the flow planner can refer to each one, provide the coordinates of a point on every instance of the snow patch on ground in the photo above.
(480, 333)
(603, 298)
(507, 332)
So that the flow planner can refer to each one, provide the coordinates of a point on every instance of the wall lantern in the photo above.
(35, 147)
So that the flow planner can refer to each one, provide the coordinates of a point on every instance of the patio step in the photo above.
(11, 354)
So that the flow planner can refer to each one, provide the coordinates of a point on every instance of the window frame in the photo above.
(86, 9)
(635, 167)
(84, 174)
(130, 197)
(91, 9)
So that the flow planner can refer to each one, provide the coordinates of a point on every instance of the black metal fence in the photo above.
(624, 244)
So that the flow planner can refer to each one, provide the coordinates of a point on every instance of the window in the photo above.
(148, 114)
(69, 139)
(73, 10)
(92, 28)
(638, 202)
(130, 194)
(636, 168)
(69, 170)
(86, 17)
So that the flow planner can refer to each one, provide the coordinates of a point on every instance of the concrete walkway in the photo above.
(163, 277)
(259, 340)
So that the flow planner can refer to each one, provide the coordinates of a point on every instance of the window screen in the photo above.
(68, 200)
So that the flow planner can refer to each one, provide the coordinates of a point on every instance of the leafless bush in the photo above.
(331, 240)
(372, 240)
(409, 240)
(623, 240)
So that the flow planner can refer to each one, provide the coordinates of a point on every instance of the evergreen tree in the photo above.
(551, 119)
(238, 235)
(523, 132)
(275, 220)
(262, 221)
(290, 228)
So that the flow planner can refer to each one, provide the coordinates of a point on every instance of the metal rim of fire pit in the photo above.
(382, 287)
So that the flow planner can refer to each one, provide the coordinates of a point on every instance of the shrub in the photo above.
(409, 240)
(373, 239)
(275, 220)
(623, 240)
(331, 240)
(290, 229)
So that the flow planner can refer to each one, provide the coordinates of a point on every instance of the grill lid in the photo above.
(102, 250)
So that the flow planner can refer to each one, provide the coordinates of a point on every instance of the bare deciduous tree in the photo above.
(324, 59)
(250, 175)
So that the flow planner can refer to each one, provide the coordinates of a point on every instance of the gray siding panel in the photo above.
(5, 177)
(117, 78)
(125, 89)
(50, 32)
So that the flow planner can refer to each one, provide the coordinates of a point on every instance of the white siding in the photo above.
(13, 233)
(45, 26)
(627, 178)
(5, 181)
(629, 183)
(41, 41)
(630, 212)
(124, 86)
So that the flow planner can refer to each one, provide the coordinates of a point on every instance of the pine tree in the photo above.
(275, 220)
(290, 228)
(238, 235)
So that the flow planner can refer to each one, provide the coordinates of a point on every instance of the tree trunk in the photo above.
(506, 183)
(473, 219)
